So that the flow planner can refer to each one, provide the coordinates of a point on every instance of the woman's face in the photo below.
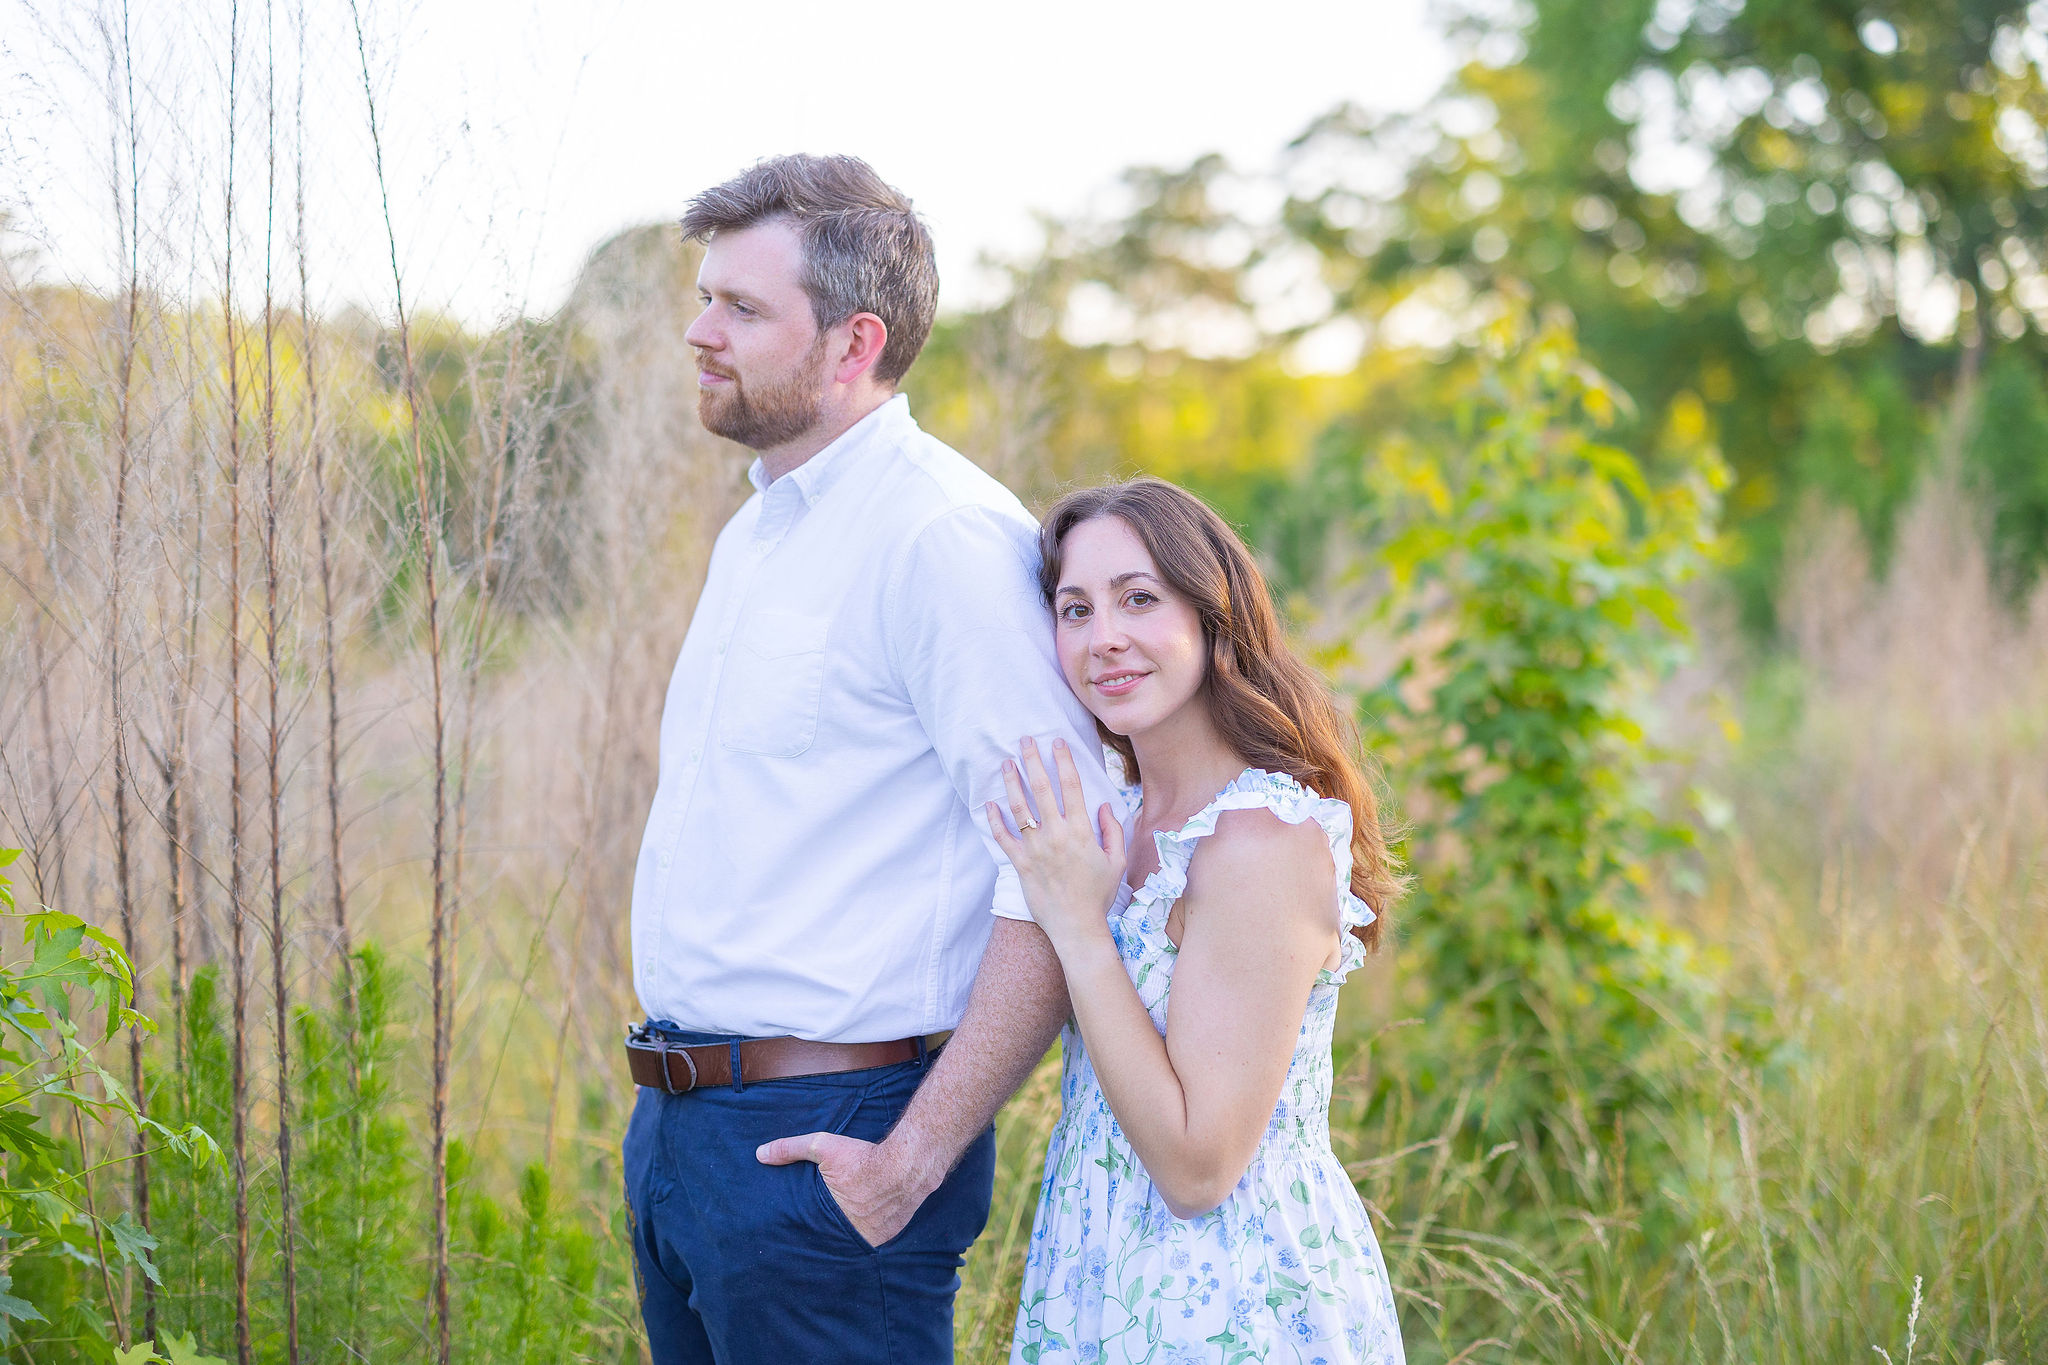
(1130, 647)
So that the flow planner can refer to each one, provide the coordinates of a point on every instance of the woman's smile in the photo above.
(1118, 684)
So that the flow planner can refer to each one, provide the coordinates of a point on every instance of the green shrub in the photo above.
(1535, 572)
(61, 1255)
(546, 1283)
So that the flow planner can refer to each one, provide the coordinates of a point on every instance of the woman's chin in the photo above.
(1114, 723)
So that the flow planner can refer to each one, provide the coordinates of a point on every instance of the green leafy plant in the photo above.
(58, 1252)
(1534, 570)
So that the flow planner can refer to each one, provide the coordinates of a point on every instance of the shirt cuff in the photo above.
(1009, 897)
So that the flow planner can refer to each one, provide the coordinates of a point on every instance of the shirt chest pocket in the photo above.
(774, 679)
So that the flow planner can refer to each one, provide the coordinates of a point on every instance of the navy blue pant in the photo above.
(745, 1264)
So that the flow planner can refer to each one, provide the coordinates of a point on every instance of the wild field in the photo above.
(1833, 1144)
(1685, 576)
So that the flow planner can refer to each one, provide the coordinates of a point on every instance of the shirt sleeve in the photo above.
(972, 643)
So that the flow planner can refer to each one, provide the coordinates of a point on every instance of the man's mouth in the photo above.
(1117, 684)
(708, 376)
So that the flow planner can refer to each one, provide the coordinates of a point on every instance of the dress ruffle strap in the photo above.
(1280, 793)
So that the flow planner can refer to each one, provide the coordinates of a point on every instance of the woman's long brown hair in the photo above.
(1272, 708)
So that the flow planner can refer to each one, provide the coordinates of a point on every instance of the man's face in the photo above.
(760, 356)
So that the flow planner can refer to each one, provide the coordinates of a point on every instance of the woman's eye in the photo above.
(1073, 611)
(1141, 598)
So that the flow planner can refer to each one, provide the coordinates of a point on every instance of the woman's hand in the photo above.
(1070, 866)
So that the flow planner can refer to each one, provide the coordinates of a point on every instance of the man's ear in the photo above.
(866, 335)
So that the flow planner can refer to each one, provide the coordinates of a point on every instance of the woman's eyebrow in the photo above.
(1069, 590)
(1130, 577)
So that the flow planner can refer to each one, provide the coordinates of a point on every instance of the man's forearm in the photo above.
(1015, 1011)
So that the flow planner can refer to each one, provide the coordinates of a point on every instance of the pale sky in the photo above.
(520, 133)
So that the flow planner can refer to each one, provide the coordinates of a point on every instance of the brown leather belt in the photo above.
(662, 1065)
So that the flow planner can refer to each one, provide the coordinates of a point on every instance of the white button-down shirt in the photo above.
(869, 647)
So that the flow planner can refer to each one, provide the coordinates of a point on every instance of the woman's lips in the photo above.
(1118, 684)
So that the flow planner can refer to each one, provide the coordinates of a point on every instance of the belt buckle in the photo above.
(641, 1036)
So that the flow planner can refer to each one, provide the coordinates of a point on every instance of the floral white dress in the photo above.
(1286, 1269)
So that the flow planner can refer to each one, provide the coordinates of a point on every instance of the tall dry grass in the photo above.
(218, 653)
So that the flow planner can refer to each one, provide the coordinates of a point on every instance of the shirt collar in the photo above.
(815, 476)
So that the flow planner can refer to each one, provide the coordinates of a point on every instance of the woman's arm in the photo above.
(1259, 918)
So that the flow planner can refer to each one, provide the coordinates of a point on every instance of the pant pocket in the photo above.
(834, 1217)
(881, 1104)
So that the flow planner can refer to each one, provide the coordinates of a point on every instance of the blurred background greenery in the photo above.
(1650, 434)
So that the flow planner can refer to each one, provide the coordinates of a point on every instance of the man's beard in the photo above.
(771, 411)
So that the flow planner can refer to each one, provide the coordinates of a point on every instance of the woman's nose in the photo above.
(1105, 635)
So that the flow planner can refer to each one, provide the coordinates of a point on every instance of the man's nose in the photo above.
(703, 333)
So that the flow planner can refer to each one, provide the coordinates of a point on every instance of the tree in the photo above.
(1767, 210)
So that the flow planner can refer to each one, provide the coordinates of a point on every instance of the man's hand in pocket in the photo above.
(874, 1183)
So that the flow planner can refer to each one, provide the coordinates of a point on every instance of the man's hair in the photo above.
(865, 250)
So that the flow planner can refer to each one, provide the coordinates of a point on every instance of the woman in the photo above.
(1192, 1209)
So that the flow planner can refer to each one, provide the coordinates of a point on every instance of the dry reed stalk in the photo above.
(181, 843)
(238, 948)
(308, 339)
(472, 664)
(330, 673)
(50, 848)
(443, 995)
(117, 718)
(40, 825)
(273, 733)
(170, 769)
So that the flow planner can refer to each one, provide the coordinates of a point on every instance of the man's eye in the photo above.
(743, 310)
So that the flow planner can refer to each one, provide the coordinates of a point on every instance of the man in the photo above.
(806, 1166)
